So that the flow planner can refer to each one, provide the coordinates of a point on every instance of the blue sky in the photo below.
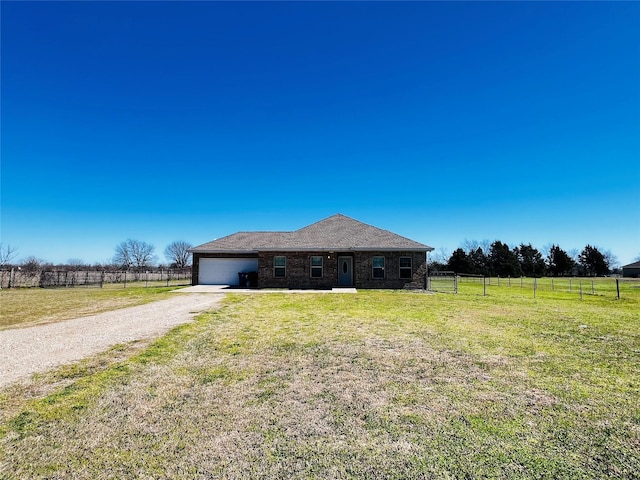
(161, 121)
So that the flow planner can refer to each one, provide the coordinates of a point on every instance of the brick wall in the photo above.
(298, 270)
(363, 269)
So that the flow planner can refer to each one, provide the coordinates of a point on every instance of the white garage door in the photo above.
(224, 271)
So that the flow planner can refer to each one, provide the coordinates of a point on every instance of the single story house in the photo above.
(632, 270)
(335, 252)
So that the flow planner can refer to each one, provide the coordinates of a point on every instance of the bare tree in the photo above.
(178, 253)
(472, 245)
(32, 266)
(441, 255)
(134, 254)
(75, 263)
(122, 256)
(469, 245)
(574, 253)
(611, 259)
(7, 254)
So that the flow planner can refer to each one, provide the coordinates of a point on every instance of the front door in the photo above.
(345, 271)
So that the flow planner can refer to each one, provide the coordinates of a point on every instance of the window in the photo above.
(316, 267)
(378, 267)
(279, 266)
(405, 267)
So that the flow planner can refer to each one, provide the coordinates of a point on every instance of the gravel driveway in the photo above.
(24, 351)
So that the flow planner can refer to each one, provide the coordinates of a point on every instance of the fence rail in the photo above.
(92, 278)
(579, 286)
(445, 282)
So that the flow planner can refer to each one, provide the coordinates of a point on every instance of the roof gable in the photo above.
(337, 232)
(340, 231)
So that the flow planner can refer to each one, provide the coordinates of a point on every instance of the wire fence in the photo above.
(16, 278)
(444, 282)
(581, 287)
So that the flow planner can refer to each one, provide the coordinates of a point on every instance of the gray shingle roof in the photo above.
(337, 232)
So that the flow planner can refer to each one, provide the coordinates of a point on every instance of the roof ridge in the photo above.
(335, 215)
(264, 231)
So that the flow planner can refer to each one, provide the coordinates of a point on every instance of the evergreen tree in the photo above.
(479, 262)
(459, 262)
(593, 261)
(530, 259)
(503, 262)
(559, 262)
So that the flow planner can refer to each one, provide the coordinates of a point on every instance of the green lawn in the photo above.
(379, 384)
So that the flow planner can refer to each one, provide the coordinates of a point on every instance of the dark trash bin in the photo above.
(242, 279)
(252, 279)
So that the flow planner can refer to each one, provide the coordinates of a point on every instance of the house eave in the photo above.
(317, 249)
(238, 252)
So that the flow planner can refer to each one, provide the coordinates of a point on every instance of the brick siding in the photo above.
(298, 270)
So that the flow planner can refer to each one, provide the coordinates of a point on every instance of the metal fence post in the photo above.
(580, 289)
(618, 288)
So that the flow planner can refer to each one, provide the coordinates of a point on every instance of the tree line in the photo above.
(129, 254)
(498, 259)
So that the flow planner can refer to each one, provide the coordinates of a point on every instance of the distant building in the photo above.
(632, 270)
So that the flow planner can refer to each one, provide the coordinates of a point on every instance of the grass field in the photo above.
(585, 286)
(379, 384)
(29, 306)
